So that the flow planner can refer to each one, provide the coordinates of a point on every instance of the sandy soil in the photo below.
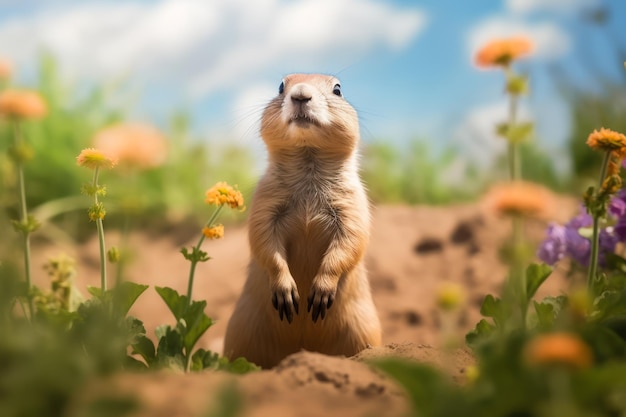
(413, 251)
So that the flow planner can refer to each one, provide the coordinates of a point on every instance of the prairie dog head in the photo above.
(310, 111)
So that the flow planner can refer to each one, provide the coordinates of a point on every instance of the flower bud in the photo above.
(449, 296)
(113, 255)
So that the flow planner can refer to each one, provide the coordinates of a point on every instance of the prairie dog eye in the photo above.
(337, 90)
(281, 87)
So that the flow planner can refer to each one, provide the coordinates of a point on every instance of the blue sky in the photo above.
(406, 66)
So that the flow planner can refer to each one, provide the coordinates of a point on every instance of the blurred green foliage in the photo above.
(171, 192)
(592, 110)
(416, 175)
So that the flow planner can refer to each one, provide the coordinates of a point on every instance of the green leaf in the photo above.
(430, 391)
(545, 314)
(615, 262)
(242, 366)
(143, 346)
(481, 332)
(170, 350)
(196, 255)
(175, 302)
(204, 359)
(134, 364)
(126, 294)
(493, 307)
(231, 403)
(536, 274)
(515, 133)
(95, 291)
(197, 324)
(134, 328)
(608, 304)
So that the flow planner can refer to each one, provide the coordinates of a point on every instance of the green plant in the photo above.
(176, 344)
(414, 175)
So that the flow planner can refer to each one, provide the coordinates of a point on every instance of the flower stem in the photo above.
(595, 237)
(194, 262)
(515, 166)
(515, 172)
(24, 216)
(100, 227)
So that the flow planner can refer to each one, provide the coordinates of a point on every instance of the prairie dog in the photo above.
(308, 231)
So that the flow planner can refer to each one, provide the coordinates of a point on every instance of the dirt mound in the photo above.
(413, 251)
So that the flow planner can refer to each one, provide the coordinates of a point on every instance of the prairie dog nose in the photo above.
(301, 93)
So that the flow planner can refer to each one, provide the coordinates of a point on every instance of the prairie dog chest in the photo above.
(311, 205)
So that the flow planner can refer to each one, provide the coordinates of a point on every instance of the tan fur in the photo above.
(308, 231)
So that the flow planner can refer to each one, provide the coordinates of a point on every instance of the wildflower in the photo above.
(620, 229)
(94, 158)
(501, 52)
(554, 246)
(617, 206)
(559, 348)
(568, 240)
(96, 212)
(215, 232)
(133, 144)
(22, 104)
(607, 140)
(520, 198)
(6, 69)
(222, 193)
(449, 296)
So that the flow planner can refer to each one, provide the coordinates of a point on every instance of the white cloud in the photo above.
(476, 136)
(207, 45)
(558, 6)
(477, 131)
(550, 41)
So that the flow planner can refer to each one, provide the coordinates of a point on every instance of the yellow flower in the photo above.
(6, 69)
(608, 140)
(96, 212)
(94, 158)
(559, 348)
(520, 198)
(449, 296)
(501, 52)
(222, 193)
(22, 104)
(215, 232)
(133, 144)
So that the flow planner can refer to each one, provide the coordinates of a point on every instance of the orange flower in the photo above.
(133, 144)
(215, 232)
(608, 140)
(22, 104)
(222, 193)
(520, 198)
(94, 158)
(6, 69)
(559, 348)
(501, 52)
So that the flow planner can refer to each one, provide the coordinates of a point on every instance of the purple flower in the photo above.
(582, 220)
(620, 229)
(617, 207)
(578, 247)
(566, 240)
(553, 248)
